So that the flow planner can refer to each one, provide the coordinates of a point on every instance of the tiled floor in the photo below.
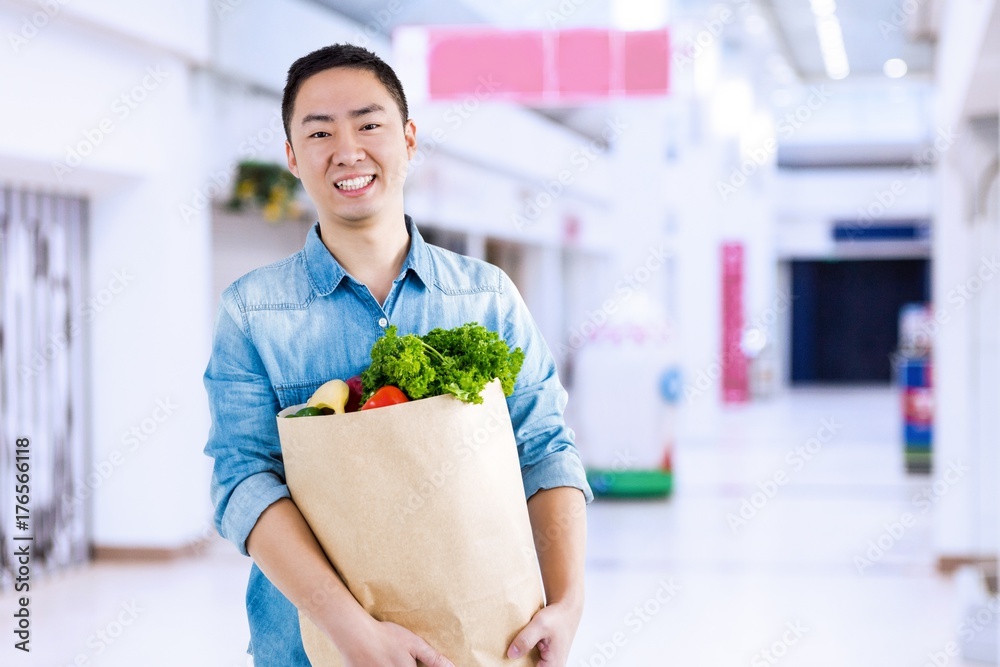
(792, 565)
(669, 582)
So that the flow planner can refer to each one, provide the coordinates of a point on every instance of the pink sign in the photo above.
(549, 66)
(735, 381)
(644, 52)
(583, 63)
(461, 61)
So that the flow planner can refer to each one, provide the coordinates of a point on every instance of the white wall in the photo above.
(258, 40)
(965, 351)
(179, 28)
(150, 341)
(847, 194)
(964, 26)
(965, 417)
(809, 201)
(857, 111)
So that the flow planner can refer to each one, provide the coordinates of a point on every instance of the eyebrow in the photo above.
(354, 113)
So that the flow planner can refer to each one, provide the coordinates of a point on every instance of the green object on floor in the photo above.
(918, 461)
(630, 483)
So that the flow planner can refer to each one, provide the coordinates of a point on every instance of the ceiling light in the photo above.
(757, 140)
(732, 107)
(639, 14)
(831, 38)
(894, 68)
(823, 7)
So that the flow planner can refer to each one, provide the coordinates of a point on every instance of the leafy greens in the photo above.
(459, 361)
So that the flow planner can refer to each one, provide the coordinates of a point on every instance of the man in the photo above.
(284, 329)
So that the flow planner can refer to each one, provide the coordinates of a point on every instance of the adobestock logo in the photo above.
(625, 289)
(900, 17)
(563, 11)
(582, 158)
(219, 181)
(884, 199)
(102, 470)
(711, 30)
(762, 323)
(796, 459)
(773, 654)
(470, 446)
(60, 340)
(923, 501)
(635, 620)
(123, 107)
(108, 634)
(34, 24)
(760, 156)
(455, 117)
(379, 24)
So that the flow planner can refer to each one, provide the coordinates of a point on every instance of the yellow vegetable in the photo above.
(332, 394)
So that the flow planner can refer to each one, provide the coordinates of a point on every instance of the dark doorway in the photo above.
(845, 316)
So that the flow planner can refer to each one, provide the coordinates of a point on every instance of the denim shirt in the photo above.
(285, 329)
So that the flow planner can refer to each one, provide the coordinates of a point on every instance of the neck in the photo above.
(372, 253)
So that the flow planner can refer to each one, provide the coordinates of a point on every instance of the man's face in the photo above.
(348, 146)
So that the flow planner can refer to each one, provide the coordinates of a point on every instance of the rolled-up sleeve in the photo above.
(548, 454)
(248, 473)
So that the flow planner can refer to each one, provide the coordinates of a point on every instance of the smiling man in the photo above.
(284, 329)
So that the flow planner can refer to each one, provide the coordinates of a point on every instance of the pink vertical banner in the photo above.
(735, 380)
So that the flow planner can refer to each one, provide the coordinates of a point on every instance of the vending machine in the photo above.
(914, 371)
(626, 390)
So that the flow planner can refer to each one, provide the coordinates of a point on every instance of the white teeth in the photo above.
(354, 183)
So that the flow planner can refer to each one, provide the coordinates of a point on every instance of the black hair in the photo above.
(339, 55)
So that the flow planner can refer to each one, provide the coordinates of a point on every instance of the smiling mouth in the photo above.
(354, 183)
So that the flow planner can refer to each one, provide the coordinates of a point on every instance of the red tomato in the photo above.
(387, 395)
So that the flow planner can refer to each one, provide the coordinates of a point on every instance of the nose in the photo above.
(347, 150)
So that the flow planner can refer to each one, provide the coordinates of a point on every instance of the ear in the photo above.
(410, 136)
(293, 165)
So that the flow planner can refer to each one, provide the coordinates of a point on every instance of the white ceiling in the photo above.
(983, 99)
(874, 30)
(780, 30)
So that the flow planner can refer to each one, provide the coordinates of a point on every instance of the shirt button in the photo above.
(382, 322)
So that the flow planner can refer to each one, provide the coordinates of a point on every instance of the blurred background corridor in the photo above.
(759, 236)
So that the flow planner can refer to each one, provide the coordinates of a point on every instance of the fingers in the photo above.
(528, 638)
(426, 654)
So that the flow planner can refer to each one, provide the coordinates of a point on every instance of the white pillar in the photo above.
(966, 298)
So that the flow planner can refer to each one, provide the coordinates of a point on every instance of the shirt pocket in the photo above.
(294, 393)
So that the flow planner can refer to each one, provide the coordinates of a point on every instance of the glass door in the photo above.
(43, 320)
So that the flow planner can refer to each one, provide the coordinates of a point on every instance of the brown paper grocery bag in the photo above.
(420, 507)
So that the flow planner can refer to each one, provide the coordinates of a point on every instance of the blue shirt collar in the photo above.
(326, 273)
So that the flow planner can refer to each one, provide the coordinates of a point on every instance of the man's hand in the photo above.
(551, 629)
(390, 645)
(559, 524)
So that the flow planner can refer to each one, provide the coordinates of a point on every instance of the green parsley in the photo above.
(459, 361)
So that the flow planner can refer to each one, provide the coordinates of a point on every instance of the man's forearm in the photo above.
(286, 551)
(559, 523)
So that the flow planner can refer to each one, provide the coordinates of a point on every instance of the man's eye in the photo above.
(370, 126)
(320, 135)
